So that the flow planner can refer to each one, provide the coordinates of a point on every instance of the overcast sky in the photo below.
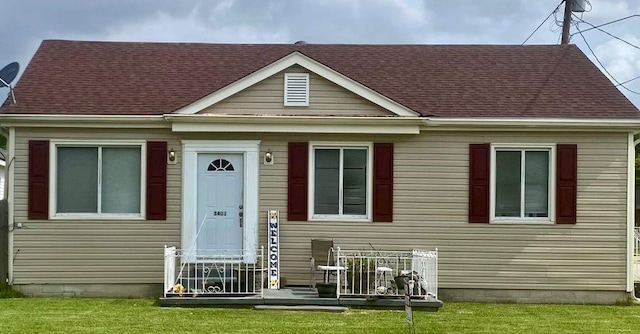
(25, 23)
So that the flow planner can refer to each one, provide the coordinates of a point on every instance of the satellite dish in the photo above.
(8, 73)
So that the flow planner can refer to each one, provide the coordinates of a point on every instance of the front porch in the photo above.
(373, 279)
(297, 296)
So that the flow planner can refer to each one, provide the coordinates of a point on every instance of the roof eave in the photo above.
(531, 124)
(83, 121)
(321, 124)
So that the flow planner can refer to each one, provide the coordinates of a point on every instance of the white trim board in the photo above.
(292, 128)
(631, 200)
(294, 124)
(297, 58)
(250, 150)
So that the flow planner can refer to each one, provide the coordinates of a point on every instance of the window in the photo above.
(220, 165)
(104, 180)
(340, 182)
(522, 179)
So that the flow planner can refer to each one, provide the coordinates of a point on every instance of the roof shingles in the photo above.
(117, 78)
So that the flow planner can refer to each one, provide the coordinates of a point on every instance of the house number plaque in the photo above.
(219, 213)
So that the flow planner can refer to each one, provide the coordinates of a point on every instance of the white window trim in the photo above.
(552, 184)
(311, 196)
(53, 154)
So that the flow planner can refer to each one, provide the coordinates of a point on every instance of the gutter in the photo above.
(83, 121)
(428, 123)
(531, 124)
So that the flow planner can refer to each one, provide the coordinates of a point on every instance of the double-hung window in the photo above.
(522, 180)
(104, 180)
(341, 181)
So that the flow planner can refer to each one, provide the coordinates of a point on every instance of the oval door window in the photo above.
(220, 165)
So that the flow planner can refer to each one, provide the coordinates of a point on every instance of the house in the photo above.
(516, 162)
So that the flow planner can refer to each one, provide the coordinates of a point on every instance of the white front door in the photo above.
(220, 202)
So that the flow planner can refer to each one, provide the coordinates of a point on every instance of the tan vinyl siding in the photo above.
(430, 210)
(98, 251)
(325, 98)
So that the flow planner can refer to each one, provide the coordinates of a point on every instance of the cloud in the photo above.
(192, 27)
(280, 21)
(605, 11)
(315, 21)
(622, 61)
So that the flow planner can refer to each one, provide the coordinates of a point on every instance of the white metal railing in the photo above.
(636, 254)
(636, 239)
(213, 272)
(385, 273)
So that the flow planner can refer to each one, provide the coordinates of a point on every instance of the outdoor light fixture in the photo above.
(172, 156)
(268, 158)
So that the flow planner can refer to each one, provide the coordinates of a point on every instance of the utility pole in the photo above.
(566, 23)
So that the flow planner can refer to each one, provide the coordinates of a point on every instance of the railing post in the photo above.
(436, 273)
(169, 269)
(338, 264)
(164, 291)
(262, 272)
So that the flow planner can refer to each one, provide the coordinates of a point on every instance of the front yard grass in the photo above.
(32, 315)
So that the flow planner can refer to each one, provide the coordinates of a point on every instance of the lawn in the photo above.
(143, 316)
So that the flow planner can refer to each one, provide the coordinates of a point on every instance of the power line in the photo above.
(624, 82)
(545, 20)
(608, 23)
(606, 32)
(602, 65)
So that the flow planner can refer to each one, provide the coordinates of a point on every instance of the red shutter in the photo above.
(156, 180)
(566, 188)
(298, 181)
(383, 182)
(38, 179)
(479, 162)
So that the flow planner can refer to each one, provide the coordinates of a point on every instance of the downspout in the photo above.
(7, 279)
(9, 180)
(631, 203)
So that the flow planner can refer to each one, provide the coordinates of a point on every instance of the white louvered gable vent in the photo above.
(296, 89)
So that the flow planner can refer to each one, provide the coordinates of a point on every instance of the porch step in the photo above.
(319, 308)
